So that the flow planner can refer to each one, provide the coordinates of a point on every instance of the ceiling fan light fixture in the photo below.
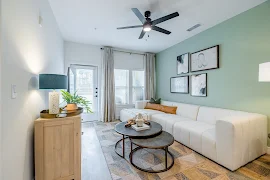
(148, 24)
(147, 28)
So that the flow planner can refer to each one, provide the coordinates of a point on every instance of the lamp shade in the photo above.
(53, 81)
(264, 72)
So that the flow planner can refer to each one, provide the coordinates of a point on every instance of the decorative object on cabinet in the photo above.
(183, 64)
(58, 148)
(62, 113)
(199, 85)
(73, 100)
(180, 84)
(53, 81)
(205, 59)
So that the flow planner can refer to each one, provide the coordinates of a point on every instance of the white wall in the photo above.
(27, 50)
(83, 54)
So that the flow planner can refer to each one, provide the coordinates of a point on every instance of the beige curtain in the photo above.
(150, 76)
(108, 92)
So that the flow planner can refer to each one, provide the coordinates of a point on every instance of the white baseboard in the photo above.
(268, 150)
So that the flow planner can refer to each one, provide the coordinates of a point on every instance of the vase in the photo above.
(71, 107)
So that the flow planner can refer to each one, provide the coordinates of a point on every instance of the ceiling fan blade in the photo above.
(160, 30)
(142, 34)
(139, 14)
(128, 27)
(165, 18)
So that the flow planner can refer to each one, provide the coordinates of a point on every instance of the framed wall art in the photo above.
(180, 84)
(199, 85)
(205, 59)
(183, 64)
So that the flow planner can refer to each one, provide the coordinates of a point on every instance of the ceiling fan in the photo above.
(148, 24)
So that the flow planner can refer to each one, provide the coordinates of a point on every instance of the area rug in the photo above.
(188, 164)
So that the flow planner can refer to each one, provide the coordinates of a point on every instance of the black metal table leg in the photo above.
(123, 147)
(166, 158)
(131, 150)
(167, 152)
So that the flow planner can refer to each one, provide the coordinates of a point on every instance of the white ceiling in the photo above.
(95, 21)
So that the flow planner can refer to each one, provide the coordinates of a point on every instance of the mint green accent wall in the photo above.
(244, 43)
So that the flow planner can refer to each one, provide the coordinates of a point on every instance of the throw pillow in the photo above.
(169, 109)
(153, 106)
(159, 107)
(155, 101)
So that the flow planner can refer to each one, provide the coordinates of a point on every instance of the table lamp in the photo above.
(264, 72)
(53, 81)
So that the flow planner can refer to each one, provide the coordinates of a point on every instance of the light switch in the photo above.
(13, 91)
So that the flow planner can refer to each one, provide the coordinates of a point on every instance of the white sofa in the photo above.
(230, 138)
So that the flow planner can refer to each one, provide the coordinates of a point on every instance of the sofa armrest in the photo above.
(141, 104)
(240, 139)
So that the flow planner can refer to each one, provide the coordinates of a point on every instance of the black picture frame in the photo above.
(179, 58)
(187, 78)
(217, 58)
(206, 89)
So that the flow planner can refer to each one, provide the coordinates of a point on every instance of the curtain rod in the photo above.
(125, 52)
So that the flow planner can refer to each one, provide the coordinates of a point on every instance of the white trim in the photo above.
(268, 150)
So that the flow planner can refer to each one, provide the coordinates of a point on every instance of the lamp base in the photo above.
(53, 102)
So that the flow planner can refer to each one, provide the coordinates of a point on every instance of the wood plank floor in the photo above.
(94, 166)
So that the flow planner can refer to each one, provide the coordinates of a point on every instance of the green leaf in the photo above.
(75, 98)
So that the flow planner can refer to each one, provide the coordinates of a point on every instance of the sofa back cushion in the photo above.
(184, 110)
(211, 115)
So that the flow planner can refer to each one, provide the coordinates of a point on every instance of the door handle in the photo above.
(96, 95)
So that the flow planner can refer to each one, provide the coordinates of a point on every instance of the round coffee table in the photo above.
(162, 141)
(128, 132)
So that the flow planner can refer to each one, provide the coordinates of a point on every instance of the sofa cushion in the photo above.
(168, 120)
(209, 144)
(190, 133)
(211, 115)
(186, 110)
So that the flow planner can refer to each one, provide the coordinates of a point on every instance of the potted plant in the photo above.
(73, 100)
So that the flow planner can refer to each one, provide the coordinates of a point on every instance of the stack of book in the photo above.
(144, 127)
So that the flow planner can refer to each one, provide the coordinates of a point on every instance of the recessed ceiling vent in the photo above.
(194, 27)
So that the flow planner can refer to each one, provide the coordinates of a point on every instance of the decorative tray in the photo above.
(62, 113)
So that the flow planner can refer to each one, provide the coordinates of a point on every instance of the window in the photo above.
(129, 86)
(137, 86)
(121, 86)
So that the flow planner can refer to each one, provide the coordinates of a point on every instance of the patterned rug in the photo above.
(188, 164)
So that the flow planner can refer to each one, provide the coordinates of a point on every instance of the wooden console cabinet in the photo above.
(58, 148)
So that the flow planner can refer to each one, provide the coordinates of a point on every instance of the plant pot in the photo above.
(71, 107)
